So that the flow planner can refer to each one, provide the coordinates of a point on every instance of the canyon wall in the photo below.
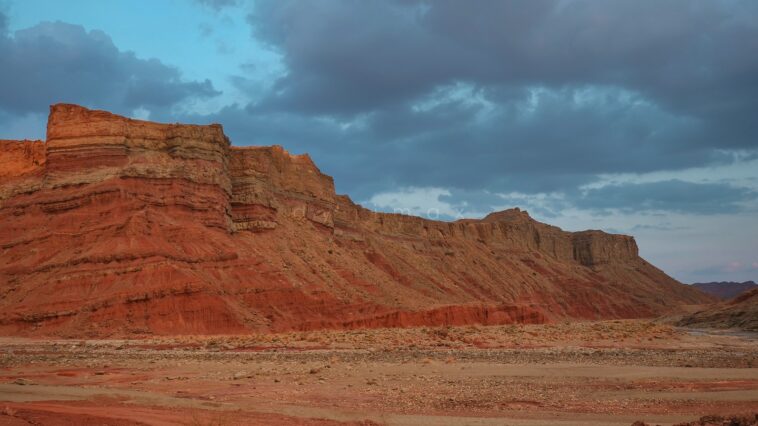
(118, 227)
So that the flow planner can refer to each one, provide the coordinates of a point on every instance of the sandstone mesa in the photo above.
(117, 227)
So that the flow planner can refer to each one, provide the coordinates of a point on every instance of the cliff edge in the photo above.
(114, 227)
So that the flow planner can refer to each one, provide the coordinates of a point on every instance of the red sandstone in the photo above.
(116, 227)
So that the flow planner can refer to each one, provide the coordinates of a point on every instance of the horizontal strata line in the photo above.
(127, 137)
(80, 234)
(131, 258)
(83, 186)
(60, 153)
(61, 200)
(47, 236)
(98, 269)
(84, 146)
(127, 147)
(94, 307)
(479, 312)
(287, 194)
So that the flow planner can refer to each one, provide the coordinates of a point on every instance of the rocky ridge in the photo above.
(115, 226)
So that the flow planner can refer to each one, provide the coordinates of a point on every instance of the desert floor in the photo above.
(588, 373)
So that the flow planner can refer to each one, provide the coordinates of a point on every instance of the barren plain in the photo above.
(578, 373)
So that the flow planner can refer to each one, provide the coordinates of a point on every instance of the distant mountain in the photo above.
(726, 289)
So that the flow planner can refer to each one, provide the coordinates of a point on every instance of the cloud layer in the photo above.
(630, 116)
(349, 57)
(58, 62)
(535, 97)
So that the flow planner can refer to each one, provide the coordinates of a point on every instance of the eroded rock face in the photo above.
(116, 226)
(21, 158)
(270, 185)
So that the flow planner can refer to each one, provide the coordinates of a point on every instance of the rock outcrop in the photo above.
(116, 226)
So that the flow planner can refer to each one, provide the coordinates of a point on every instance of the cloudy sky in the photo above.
(631, 116)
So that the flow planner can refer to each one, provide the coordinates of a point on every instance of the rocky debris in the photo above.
(749, 420)
(120, 227)
(381, 376)
(585, 343)
(8, 411)
(735, 420)
(241, 375)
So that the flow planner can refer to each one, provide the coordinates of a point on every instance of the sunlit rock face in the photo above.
(118, 227)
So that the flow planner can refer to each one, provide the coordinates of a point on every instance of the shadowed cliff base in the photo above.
(117, 227)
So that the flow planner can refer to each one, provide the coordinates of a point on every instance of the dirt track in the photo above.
(607, 373)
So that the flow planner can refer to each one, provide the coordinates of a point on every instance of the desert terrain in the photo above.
(401, 213)
(155, 274)
(578, 373)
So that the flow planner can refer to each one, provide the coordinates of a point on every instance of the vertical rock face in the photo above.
(593, 248)
(116, 226)
(80, 142)
(124, 156)
(21, 158)
(270, 185)
(22, 163)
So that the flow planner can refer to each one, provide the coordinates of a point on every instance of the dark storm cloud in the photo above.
(651, 197)
(59, 62)
(671, 195)
(358, 167)
(498, 96)
(550, 141)
(481, 98)
(693, 57)
(543, 143)
(347, 57)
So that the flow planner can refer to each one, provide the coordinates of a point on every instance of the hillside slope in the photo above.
(740, 312)
(116, 227)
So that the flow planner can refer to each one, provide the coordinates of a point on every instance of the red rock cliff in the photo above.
(116, 226)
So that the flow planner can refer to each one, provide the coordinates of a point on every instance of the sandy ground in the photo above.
(594, 373)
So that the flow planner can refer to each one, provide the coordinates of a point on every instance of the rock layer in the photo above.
(116, 226)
